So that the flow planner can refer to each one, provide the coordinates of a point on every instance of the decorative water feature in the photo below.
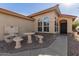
(10, 32)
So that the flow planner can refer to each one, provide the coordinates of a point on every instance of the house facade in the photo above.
(47, 21)
(52, 21)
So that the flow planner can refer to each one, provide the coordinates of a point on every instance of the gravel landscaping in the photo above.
(57, 47)
(9, 48)
(73, 46)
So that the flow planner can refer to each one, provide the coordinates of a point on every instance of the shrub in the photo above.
(75, 24)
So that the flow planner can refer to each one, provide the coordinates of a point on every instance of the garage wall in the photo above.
(23, 25)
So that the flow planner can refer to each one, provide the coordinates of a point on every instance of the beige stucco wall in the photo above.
(23, 25)
(69, 23)
(52, 16)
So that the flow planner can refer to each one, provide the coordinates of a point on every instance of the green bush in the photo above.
(75, 24)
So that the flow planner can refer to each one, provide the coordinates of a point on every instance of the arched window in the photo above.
(46, 24)
(43, 24)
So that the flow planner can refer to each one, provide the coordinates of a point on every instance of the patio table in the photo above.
(29, 37)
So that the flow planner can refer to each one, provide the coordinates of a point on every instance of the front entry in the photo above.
(63, 27)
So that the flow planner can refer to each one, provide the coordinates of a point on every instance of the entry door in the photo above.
(63, 27)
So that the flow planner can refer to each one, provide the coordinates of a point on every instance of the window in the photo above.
(40, 29)
(56, 25)
(43, 24)
(46, 24)
(39, 25)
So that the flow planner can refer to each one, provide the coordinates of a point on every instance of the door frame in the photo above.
(63, 22)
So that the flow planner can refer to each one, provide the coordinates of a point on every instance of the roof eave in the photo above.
(4, 11)
(55, 8)
(70, 16)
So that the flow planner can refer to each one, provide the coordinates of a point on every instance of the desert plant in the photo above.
(75, 24)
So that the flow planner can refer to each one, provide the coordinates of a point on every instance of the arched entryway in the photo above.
(63, 27)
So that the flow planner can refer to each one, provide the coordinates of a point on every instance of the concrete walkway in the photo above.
(57, 48)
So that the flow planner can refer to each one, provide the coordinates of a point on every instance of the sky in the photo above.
(30, 8)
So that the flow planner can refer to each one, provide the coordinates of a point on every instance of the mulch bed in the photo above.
(9, 47)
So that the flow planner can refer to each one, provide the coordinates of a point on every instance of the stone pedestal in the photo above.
(18, 42)
(18, 45)
(39, 38)
(29, 39)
